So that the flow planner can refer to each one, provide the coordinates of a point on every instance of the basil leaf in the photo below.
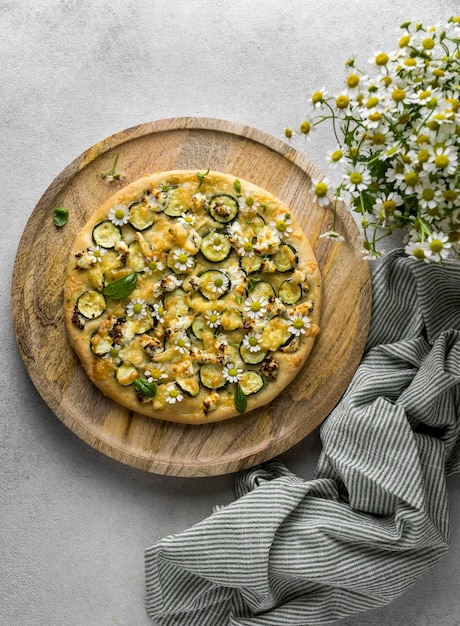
(121, 288)
(145, 387)
(201, 177)
(60, 216)
(240, 400)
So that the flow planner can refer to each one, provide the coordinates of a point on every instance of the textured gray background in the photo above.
(73, 523)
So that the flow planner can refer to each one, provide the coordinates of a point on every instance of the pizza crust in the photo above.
(115, 348)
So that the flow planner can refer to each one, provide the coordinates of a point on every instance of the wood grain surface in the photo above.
(165, 447)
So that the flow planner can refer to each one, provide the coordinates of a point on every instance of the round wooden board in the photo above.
(155, 445)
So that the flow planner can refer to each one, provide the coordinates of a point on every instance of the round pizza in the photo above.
(192, 296)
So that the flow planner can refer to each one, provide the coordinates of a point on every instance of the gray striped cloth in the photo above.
(290, 552)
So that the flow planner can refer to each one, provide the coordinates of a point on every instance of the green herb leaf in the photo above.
(145, 387)
(121, 288)
(237, 185)
(60, 216)
(240, 400)
(201, 177)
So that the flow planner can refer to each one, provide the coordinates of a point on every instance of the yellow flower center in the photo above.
(382, 59)
(247, 246)
(428, 43)
(436, 245)
(119, 214)
(317, 97)
(389, 206)
(404, 41)
(173, 393)
(419, 254)
(182, 258)
(232, 371)
(155, 373)
(255, 306)
(305, 127)
(253, 341)
(398, 95)
(213, 318)
(375, 117)
(298, 323)
(153, 265)
(410, 62)
(423, 156)
(218, 282)
(356, 178)
(336, 155)
(281, 225)
(372, 102)
(137, 308)
(422, 139)
(441, 161)
(342, 101)
(378, 139)
(321, 190)
(411, 178)
(428, 194)
(449, 195)
(113, 352)
(352, 81)
(249, 200)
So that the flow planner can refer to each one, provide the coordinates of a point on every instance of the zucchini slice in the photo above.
(91, 304)
(177, 203)
(286, 258)
(263, 289)
(141, 215)
(215, 246)
(106, 234)
(256, 222)
(214, 284)
(275, 334)
(198, 327)
(223, 208)
(250, 382)
(212, 377)
(290, 292)
(136, 259)
(175, 303)
(252, 358)
(251, 264)
(126, 374)
(190, 385)
(100, 345)
(140, 327)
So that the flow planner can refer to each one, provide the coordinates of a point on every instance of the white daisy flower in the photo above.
(298, 324)
(439, 246)
(119, 215)
(95, 254)
(220, 283)
(182, 260)
(319, 191)
(357, 178)
(173, 394)
(212, 318)
(155, 372)
(255, 306)
(182, 343)
(333, 235)
(419, 250)
(245, 247)
(231, 373)
(187, 219)
(158, 312)
(247, 202)
(282, 226)
(137, 309)
(116, 353)
(153, 265)
(217, 241)
(251, 341)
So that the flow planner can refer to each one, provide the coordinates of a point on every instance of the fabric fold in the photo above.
(290, 552)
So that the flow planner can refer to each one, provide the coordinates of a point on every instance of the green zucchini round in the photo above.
(223, 208)
(214, 251)
(250, 382)
(91, 304)
(106, 234)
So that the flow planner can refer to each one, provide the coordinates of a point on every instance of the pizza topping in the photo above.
(91, 304)
(122, 287)
(145, 387)
(250, 382)
(299, 323)
(231, 373)
(137, 309)
(119, 215)
(215, 246)
(255, 306)
(223, 208)
(173, 394)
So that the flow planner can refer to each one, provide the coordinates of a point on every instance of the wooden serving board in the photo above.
(155, 445)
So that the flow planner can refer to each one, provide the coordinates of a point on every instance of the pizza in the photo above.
(192, 297)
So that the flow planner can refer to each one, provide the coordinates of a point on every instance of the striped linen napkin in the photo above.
(375, 518)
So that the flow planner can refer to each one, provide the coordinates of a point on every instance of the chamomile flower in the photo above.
(182, 343)
(153, 265)
(158, 312)
(251, 341)
(231, 373)
(255, 306)
(219, 284)
(212, 318)
(155, 372)
(335, 157)
(187, 219)
(282, 225)
(298, 324)
(95, 254)
(247, 202)
(387, 203)
(333, 235)
(418, 250)
(439, 246)
(319, 191)
(182, 260)
(245, 247)
(443, 159)
(357, 178)
(119, 215)
(173, 394)
(115, 353)
(217, 241)
(137, 309)
(318, 97)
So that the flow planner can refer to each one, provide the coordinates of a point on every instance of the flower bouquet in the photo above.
(398, 142)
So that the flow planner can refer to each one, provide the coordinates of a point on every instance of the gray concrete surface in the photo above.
(73, 523)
